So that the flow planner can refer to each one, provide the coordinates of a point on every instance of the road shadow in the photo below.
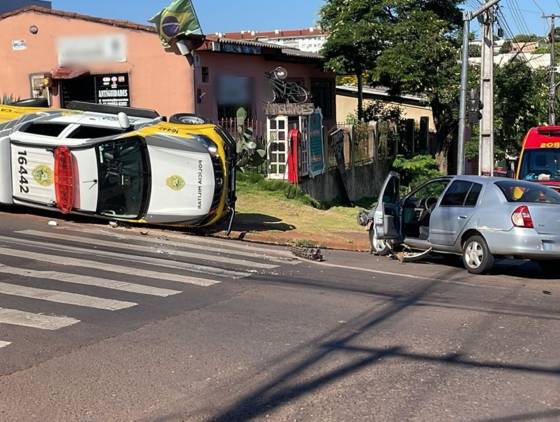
(338, 354)
(504, 267)
(296, 381)
(526, 417)
(243, 222)
(260, 223)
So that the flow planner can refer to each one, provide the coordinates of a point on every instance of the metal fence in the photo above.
(352, 144)
(363, 143)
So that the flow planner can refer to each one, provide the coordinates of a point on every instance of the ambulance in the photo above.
(540, 156)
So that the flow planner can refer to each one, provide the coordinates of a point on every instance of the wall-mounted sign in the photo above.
(316, 149)
(112, 89)
(83, 50)
(283, 109)
(19, 45)
(236, 48)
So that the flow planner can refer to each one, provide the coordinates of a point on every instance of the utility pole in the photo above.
(552, 89)
(463, 101)
(486, 137)
(467, 17)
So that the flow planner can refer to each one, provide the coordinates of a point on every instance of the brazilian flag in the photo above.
(179, 18)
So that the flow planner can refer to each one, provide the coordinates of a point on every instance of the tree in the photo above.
(421, 56)
(355, 38)
(521, 103)
(475, 50)
(526, 38)
(506, 47)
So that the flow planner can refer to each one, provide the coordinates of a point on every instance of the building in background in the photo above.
(414, 107)
(310, 39)
(10, 5)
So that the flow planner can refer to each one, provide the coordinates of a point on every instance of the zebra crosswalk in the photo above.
(104, 266)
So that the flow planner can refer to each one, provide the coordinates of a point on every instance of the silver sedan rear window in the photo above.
(518, 191)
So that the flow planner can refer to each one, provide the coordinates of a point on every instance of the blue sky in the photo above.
(234, 15)
(214, 15)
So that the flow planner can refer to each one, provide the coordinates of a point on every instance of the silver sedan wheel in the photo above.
(474, 255)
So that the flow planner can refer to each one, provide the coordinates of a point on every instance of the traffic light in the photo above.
(475, 105)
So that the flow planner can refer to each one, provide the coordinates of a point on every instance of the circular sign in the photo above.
(176, 183)
(43, 175)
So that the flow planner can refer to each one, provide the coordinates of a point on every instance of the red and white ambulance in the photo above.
(540, 156)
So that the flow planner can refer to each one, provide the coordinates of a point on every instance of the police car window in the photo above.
(89, 132)
(122, 170)
(45, 129)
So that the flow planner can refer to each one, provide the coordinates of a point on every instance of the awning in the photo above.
(67, 72)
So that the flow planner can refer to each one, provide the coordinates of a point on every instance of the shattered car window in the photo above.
(122, 178)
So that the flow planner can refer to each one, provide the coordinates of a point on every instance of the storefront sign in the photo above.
(281, 109)
(112, 89)
(236, 48)
(93, 49)
(316, 148)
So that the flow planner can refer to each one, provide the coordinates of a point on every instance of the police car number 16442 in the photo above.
(23, 173)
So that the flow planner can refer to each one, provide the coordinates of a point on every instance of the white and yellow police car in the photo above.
(117, 163)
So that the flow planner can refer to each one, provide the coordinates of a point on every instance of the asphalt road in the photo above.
(102, 324)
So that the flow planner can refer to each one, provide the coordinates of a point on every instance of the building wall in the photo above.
(253, 67)
(158, 80)
(346, 105)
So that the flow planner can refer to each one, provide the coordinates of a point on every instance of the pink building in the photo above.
(123, 63)
(36, 41)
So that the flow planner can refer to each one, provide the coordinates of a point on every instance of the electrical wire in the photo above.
(539, 7)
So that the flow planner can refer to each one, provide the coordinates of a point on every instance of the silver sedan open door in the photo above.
(387, 212)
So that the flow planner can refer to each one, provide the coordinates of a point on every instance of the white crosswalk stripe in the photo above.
(129, 258)
(84, 263)
(189, 240)
(89, 281)
(4, 344)
(45, 247)
(231, 249)
(64, 297)
(28, 319)
(150, 249)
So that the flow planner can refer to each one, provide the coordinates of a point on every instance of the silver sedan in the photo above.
(479, 218)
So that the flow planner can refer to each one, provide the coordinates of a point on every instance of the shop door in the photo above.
(277, 135)
(303, 152)
(81, 88)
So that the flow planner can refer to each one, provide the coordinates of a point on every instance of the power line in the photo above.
(539, 7)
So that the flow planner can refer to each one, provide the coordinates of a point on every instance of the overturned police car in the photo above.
(117, 163)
